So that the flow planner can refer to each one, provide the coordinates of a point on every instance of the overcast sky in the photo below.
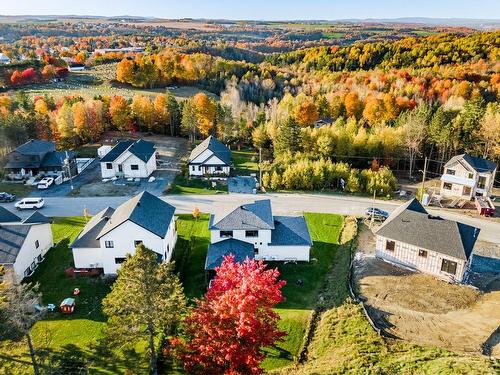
(259, 9)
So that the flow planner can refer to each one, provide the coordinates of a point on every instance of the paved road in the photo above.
(283, 204)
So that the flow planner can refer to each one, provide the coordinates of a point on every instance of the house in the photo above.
(251, 230)
(467, 176)
(430, 244)
(76, 67)
(113, 233)
(4, 59)
(210, 157)
(323, 121)
(23, 243)
(39, 156)
(129, 159)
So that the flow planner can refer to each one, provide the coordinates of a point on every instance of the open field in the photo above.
(425, 310)
(99, 80)
(246, 161)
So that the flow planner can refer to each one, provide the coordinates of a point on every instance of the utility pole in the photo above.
(373, 209)
(423, 179)
(69, 170)
(260, 168)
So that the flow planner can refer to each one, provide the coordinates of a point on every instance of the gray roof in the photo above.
(56, 158)
(141, 148)
(8, 217)
(217, 147)
(12, 238)
(479, 164)
(411, 223)
(36, 146)
(291, 231)
(217, 251)
(257, 215)
(37, 218)
(88, 236)
(145, 210)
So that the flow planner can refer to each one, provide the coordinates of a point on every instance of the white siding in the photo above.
(282, 253)
(126, 160)
(202, 157)
(29, 253)
(407, 255)
(464, 170)
(263, 239)
(87, 257)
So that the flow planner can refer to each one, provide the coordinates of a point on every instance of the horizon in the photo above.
(259, 10)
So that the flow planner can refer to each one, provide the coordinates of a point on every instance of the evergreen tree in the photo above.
(288, 137)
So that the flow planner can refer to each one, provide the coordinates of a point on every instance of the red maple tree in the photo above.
(226, 331)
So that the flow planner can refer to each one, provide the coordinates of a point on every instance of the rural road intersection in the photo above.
(283, 204)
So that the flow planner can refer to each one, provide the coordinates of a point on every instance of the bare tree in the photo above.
(413, 125)
(19, 301)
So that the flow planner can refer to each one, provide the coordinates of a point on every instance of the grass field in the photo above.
(245, 162)
(184, 185)
(20, 190)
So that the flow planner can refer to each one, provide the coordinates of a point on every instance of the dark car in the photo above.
(377, 213)
(6, 197)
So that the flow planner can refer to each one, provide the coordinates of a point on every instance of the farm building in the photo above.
(112, 234)
(430, 244)
(129, 159)
(210, 157)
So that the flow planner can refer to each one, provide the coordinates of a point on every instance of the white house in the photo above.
(112, 234)
(251, 230)
(467, 176)
(129, 159)
(210, 157)
(430, 244)
(4, 59)
(23, 243)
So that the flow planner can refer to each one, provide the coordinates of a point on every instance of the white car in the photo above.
(44, 183)
(30, 204)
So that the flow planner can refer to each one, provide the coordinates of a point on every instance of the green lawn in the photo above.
(245, 162)
(184, 185)
(76, 340)
(20, 190)
(87, 151)
(295, 312)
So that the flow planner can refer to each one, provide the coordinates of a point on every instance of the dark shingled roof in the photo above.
(56, 158)
(145, 210)
(217, 251)
(12, 238)
(36, 146)
(411, 223)
(8, 217)
(217, 147)
(291, 231)
(257, 215)
(88, 236)
(141, 148)
(37, 218)
(479, 164)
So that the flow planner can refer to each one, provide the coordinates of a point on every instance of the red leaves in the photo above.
(233, 321)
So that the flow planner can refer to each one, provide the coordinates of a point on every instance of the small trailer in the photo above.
(485, 206)
(67, 306)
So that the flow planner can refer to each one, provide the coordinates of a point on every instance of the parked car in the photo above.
(6, 197)
(30, 204)
(44, 183)
(376, 213)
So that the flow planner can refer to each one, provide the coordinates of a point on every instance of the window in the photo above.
(27, 271)
(199, 167)
(251, 233)
(447, 186)
(467, 190)
(218, 168)
(450, 171)
(39, 258)
(470, 175)
(422, 253)
(134, 167)
(255, 251)
(390, 245)
(137, 243)
(449, 266)
(120, 260)
(37, 244)
(109, 166)
(109, 244)
(481, 183)
(226, 233)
